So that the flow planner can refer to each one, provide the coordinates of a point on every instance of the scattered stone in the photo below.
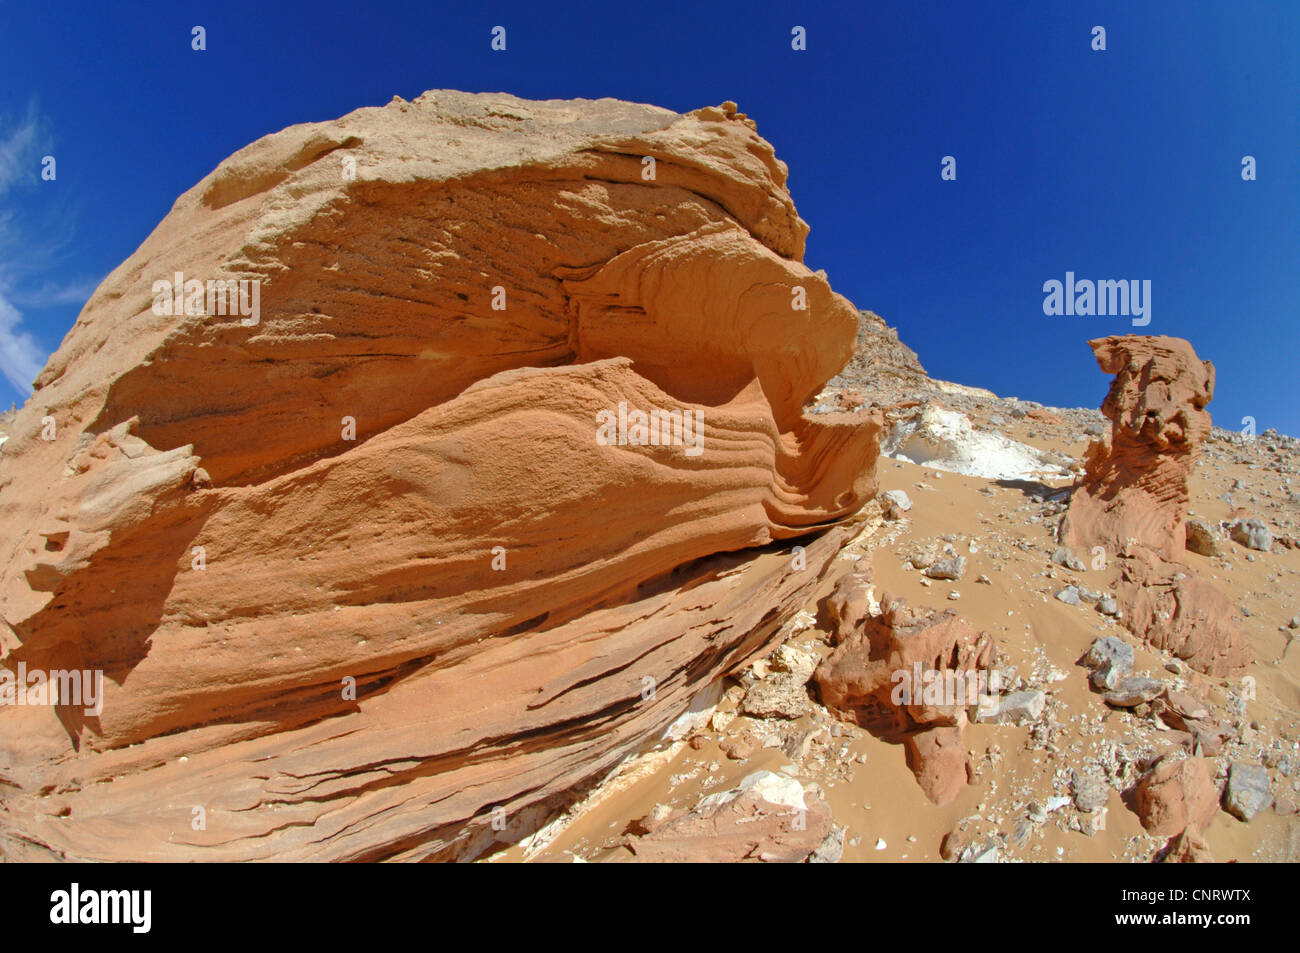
(1201, 539)
(656, 818)
(1111, 661)
(1133, 691)
(831, 849)
(799, 663)
(797, 748)
(1021, 833)
(1253, 534)
(1066, 558)
(737, 749)
(767, 817)
(1090, 791)
(955, 843)
(1069, 595)
(781, 695)
(1108, 606)
(1017, 708)
(988, 855)
(1248, 792)
(898, 498)
(952, 568)
(1188, 706)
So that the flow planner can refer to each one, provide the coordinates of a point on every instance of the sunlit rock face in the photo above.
(418, 467)
(1132, 499)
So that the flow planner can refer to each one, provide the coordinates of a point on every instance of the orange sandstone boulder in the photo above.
(481, 478)
(910, 675)
(1177, 795)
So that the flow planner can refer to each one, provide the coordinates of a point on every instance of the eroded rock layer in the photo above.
(398, 548)
(1132, 499)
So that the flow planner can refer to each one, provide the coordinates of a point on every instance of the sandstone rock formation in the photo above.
(359, 569)
(1132, 499)
(1135, 483)
(910, 675)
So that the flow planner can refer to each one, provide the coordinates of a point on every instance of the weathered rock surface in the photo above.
(883, 365)
(1201, 539)
(1132, 499)
(1248, 790)
(1110, 660)
(904, 674)
(1135, 481)
(1253, 534)
(1177, 795)
(1175, 610)
(499, 586)
(1135, 690)
(768, 817)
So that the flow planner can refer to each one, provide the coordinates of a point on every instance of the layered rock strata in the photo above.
(492, 467)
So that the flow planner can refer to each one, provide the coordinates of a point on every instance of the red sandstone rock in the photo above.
(497, 585)
(1175, 611)
(1132, 499)
(1135, 481)
(872, 677)
(1188, 848)
(938, 758)
(1177, 795)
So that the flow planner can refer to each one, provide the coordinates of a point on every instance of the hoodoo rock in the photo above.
(1132, 499)
(1135, 483)
(480, 474)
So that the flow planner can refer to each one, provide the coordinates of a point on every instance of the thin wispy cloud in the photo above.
(20, 148)
(21, 356)
(75, 292)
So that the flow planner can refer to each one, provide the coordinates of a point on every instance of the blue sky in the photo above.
(1117, 164)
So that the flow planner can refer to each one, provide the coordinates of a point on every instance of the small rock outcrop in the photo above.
(1177, 795)
(909, 675)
